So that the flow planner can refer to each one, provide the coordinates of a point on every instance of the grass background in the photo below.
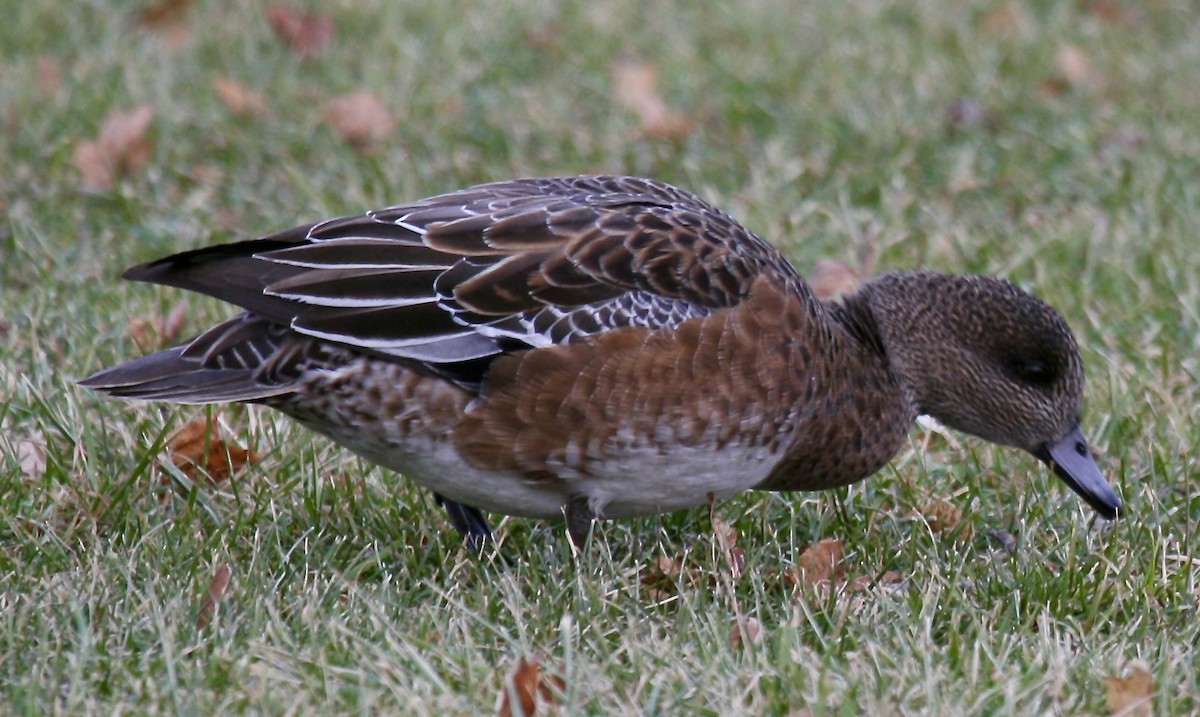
(825, 127)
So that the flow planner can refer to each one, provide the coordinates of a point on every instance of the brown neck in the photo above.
(851, 412)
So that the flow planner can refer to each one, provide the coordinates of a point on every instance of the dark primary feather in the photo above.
(227, 272)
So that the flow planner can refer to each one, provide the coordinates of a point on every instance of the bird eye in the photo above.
(1035, 372)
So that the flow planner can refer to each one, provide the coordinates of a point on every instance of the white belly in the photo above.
(636, 481)
(645, 482)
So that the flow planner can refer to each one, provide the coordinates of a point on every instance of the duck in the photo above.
(600, 347)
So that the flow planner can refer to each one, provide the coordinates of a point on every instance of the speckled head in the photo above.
(983, 356)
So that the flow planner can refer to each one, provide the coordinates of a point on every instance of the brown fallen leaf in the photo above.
(635, 85)
(239, 99)
(168, 19)
(1004, 21)
(157, 332)
(889, 578)
(746, 631)
(121, 147)
(306, 34)
(198, 448)
(544, 36)
(671, 574)
(361, 118)
(1054, 86)
(173, 325)
(831, 280)
(660, 582)
(49, 75)
(727, 536)
(1113, 12)
(1073, 65)
(818, 563)
(144, 333)
(1073, 70)
(1131, 696)
(164, 13)
(31, 455)
(216, 591)
(941, 516)
(528, 686)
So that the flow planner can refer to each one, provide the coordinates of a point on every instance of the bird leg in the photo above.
(468, 521)
(579, 517)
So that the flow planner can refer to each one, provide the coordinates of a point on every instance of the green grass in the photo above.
(822, 126)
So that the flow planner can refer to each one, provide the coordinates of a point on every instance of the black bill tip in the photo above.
(1071, 460)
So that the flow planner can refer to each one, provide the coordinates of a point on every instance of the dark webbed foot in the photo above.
(468, 521)
(579, 521)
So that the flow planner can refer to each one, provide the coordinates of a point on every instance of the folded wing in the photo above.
(452, 281)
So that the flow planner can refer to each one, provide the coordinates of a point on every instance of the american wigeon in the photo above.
(606, 347)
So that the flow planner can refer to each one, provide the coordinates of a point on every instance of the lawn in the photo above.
(1052, 143)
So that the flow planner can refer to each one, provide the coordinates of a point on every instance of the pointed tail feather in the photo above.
(245, 358)
(170, 376)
